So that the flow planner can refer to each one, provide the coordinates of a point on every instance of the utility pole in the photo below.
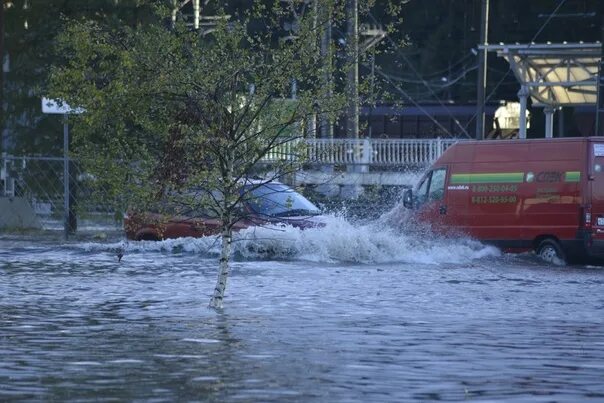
(600, 86)
(352, 93)
(326, 127)
(352, 84)
(482, 71)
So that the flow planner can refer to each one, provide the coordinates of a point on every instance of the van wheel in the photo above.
(549, 251)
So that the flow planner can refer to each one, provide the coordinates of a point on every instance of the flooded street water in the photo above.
(349, 314)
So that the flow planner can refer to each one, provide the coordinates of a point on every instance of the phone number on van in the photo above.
(494, 188)
(494, 199)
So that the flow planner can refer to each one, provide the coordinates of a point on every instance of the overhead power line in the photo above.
(422, 109)
(398, 50)
(545, 23)
(421, 80)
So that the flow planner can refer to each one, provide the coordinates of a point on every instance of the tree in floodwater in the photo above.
(177, 118)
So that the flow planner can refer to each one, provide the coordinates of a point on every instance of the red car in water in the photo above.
(271, 203)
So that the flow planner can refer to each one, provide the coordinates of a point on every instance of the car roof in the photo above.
(260, 182)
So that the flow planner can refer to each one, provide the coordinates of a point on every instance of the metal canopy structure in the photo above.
(553, 75)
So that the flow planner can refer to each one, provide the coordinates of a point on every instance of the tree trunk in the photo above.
(223, 268)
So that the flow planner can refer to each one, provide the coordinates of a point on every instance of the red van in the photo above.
(545, 195)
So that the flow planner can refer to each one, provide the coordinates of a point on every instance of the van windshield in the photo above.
(278, 200)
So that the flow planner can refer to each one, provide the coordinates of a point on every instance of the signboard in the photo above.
(54, 106)
(598, 150)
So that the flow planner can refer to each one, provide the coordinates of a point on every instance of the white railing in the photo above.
(375, 152)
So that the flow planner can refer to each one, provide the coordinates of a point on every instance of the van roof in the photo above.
(514, 150)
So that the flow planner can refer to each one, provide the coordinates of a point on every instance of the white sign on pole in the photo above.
(54, 106)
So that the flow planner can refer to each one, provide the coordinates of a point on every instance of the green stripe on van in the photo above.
(500, 177)
(572, 176)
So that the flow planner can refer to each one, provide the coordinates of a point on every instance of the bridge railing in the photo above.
(374, 152)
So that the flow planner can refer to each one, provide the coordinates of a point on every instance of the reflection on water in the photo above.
(459, 322)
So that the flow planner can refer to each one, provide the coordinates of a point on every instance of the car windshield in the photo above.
(276, 199)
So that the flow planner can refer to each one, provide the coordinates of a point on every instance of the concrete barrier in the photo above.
(17, 212)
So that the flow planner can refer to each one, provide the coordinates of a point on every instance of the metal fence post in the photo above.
(367, 153)
(439, 147)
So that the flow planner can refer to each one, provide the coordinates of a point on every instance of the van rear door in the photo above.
(596, 184)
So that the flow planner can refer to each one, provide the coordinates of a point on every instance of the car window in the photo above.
(437, 184)
(276, 199)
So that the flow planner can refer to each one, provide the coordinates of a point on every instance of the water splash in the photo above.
(387, 240)
(376, 242)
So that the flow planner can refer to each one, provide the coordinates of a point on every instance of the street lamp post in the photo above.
(482, 71)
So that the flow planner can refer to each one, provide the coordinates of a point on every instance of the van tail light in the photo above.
(587, 217)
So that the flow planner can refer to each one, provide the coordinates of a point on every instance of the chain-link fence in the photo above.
(38, 185)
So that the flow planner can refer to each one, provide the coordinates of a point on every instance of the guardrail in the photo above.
(371, 152)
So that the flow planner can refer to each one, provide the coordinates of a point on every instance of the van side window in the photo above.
(437, 184)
